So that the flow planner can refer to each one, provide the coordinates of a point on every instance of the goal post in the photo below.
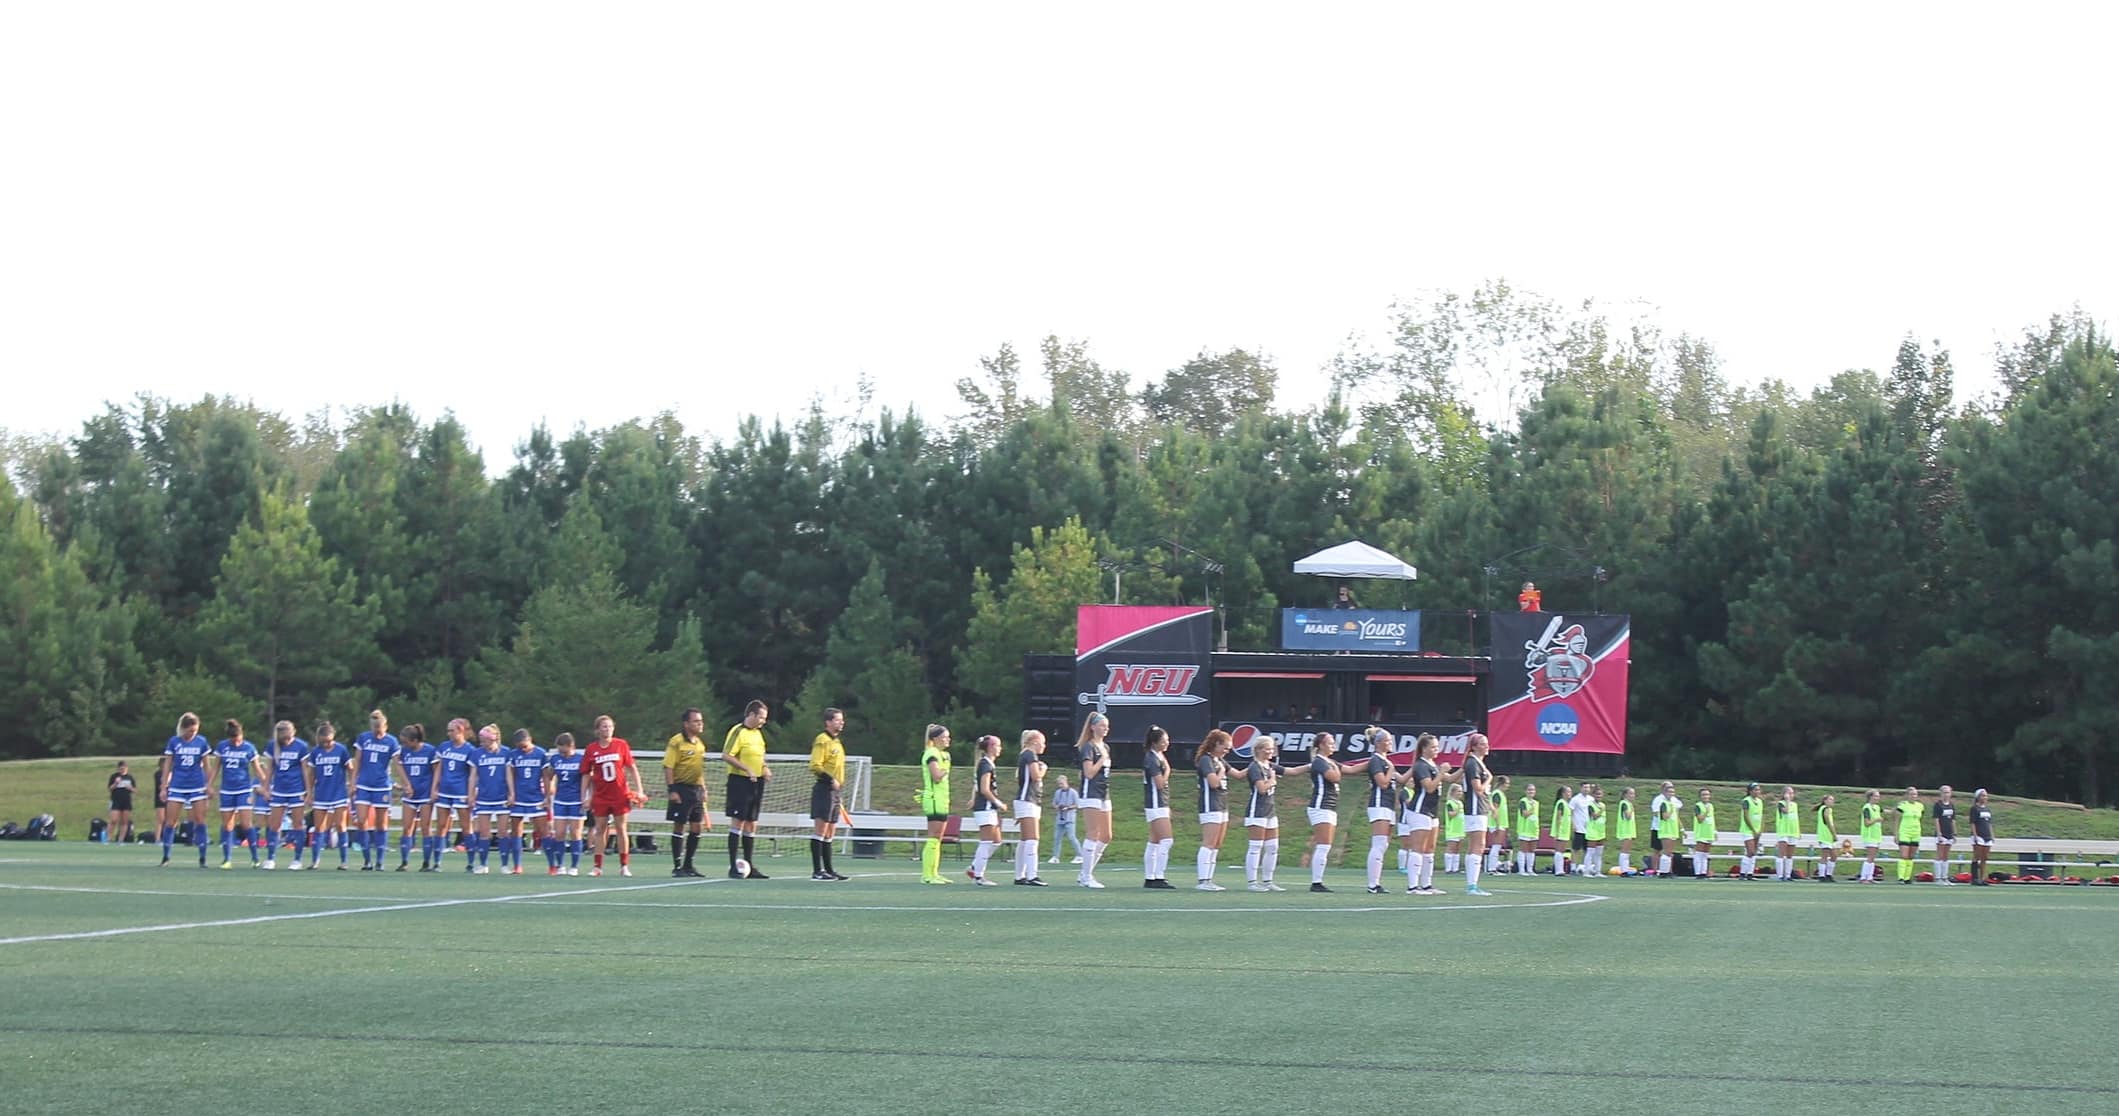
(787, 792)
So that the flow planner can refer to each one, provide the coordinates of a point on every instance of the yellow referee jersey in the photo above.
(827, 758)
(746, 746)
(684, 761)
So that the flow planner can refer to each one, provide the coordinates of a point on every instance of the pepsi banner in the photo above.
(1349, 629)
(1297, 738)
(1559, 682)
(1143, 665)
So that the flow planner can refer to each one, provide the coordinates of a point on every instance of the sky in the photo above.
(577, 214)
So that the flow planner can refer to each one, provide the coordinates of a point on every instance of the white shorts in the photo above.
(1790, 839)
(1263, 823)
(1096, 804)
(1323, 817)
(1872, 846)
(1382, 813)
(1217, 817)
(1028, 810)
(980, 819)
(1982, 842)
(1475, 823)
(1158, 813)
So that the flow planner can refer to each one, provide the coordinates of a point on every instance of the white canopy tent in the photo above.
(1356, 559)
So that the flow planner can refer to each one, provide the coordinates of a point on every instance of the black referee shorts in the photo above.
(1579, 842)
(744, 798)
(687, 803)
(824, 802)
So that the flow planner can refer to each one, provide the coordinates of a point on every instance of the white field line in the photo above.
(1574, 899)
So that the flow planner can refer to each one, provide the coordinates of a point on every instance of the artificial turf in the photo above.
(491, 993)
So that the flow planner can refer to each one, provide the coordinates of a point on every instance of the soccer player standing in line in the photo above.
(827, 761)
(417, 760)
(1155, 795)
(1751, 823)
(1382, 804)
(1423, 790)
(1625, 827)
(1578, 826)
(1593, 830)
(1827, 836)
(1213, 772)
(240, 772)
(1478, 798)
(373, 752)
(1945, 833)
(684, 775)
(1872, 834)
(1527, 817)
(1703, 833)
(452, 792)
(1663, 827)
(934, 802)
(1261, 819)
(490, 806)
(526, 800)
(1029, 808)
(1452, 833)
(614, 789)
(743, 749)
(182, 779)
(563, 780)
(985, 807)
(1982, 836)
(1497, 825)
(1562, 828)
(1910, 811)
(290, 788)
(1323, 811)
(330, 762)
(1095, 757)
(1787, 828)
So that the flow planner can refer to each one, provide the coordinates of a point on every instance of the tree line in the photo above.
(1872, 582)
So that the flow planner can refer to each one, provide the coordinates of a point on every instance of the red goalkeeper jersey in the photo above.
(606, 763)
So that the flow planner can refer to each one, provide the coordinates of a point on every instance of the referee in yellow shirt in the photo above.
(744, 752)
(827, 761)
(684, 769)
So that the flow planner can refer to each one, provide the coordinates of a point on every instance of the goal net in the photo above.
(787, 792)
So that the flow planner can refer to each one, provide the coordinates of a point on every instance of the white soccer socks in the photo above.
(1026, 860)
(1662, 865)
(1252, 854)
(1269, 863)
(1206, 860)
(1375, 863)
(1318, 855)
(979, 858)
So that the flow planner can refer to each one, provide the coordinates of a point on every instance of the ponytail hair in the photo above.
(934, 732)
(188, 720)
(414, 733)
(234, 727)
(1156, 735)
(563, 740)
(1090, 722)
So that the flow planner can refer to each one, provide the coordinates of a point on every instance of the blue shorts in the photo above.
(367, 796)
(491, 809)
(334, 804)
(567, 811)
(417, 803)
(294, 801)
(452, 801)
(532, 810)
(185, 796)
(235, 800)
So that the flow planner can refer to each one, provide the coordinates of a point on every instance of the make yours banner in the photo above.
(1349, 629)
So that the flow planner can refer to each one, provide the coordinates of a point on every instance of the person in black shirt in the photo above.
(1155, 793)
(121, 786)
(1982, 836)
(1324, 806)
(1945, 813)
(1213, 772)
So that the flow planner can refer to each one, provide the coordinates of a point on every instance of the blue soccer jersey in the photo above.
(527, 767)
(187, 764)
(287, 775)
(566, 778)
(329, 762)
(376, 752)
(492, 779)
(419, 765)
(236, 757)
(455, 761)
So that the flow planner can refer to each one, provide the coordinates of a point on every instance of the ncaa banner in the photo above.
(1143, 665)
(1349, 629)
(1559, 682)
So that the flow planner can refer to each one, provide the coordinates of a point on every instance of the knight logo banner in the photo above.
(1141, 666)
(1559, 682)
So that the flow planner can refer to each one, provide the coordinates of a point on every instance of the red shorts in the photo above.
(604, 804)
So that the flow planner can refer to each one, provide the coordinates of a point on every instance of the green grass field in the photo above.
(211, 990)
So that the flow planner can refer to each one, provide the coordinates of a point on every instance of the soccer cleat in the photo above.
(757, 875)
(984, 882)
(295, 867)
(677, 872)
(1034, 881)
(821, 877)
(1254, 885)
(1209, 885)
(1433, 891)
(1271, 886)
(838, 877)
(1477, 891)
(517, 871)
(404, 868)
(268, 866)
(1092, 885)
(596, 871)
(482, 870)
(1377, 890)
(340, 867)
(226, 865)
(1320, 889)
(625, 870)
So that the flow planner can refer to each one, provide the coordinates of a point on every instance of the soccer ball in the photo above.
(742, 868)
